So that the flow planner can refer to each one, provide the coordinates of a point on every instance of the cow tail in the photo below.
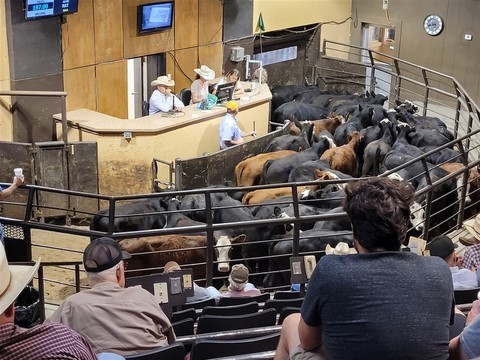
(239, 173)
(263, 178)
(376, 162)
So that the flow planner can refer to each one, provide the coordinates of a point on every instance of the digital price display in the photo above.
(39, 8)
(35, 9)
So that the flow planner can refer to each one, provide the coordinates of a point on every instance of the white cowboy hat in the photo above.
(14, 278)
(473, 226)
(163, 80)
(341, 249)
(205, 72)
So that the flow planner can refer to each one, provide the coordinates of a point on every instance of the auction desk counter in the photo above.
(126, 147)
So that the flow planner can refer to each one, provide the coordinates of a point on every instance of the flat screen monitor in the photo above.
(37, 9)
(155, 17)
(225, 92)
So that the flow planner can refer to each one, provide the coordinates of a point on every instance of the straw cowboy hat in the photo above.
(14, 278)
(163, 80)
(205, 72)
(341, 249)
(473, 227)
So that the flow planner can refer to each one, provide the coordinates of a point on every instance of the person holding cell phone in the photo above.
(5, 193)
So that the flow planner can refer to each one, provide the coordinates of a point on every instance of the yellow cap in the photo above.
(232, 105)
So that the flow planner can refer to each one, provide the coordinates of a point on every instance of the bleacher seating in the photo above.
(287, 310)
(204, 349)
(184, 327)
(228, 301)
(248, 308)
(175, 351)
(466, 296)
(279, 304)
(286, 294)
(184, 314)
(214, 323)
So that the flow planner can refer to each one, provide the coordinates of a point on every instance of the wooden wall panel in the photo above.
(78, 41)
(108, 30)
(212, 56)
(186, 20)
(138, 45)
(210, 13)
(112, 88)
(80, 85)
(187, 61)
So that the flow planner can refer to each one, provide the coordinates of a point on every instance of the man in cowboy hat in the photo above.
(51, 341)
(200, 85)
(162, 99)
(372, 305)
(230, 133)
(113, 318)
(471, 256)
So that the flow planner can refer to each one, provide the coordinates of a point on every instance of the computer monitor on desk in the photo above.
(225, 92)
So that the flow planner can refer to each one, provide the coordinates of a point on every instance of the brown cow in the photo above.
(249, 171)
(344, 158)
(473, 184)
(156, 251)
(329, 124)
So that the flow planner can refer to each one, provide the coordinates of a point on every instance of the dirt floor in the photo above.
(54, 247)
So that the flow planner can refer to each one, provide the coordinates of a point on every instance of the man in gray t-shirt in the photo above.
(380, 303)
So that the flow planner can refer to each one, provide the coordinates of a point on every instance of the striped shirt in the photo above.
(52, 341)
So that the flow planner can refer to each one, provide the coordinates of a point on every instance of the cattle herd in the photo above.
(332, 138)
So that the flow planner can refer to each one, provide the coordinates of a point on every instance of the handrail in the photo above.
(62, 94)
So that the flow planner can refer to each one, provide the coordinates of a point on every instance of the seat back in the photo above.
(287, 310)
(286, 294)
(200, 304)
(228, 301)
(175, 351)
(248, 308)
(203, 349)
(466, 296)
(185, 96)
(184, 314)
(214, 323)
(279, 304)
(183, 327)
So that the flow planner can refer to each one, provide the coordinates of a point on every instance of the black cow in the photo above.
(361, 119)
(292, 142)
(136, 215)
(286, 93)
(294, 110)
(376, 151)
(277, 171)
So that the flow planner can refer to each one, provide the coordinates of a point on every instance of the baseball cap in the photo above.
(232, 105)
(102, 254)
(441, 246)
(239, 273)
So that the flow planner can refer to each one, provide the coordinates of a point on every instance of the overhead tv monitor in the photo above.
(225, 92)
(155, 17)
(37, 9)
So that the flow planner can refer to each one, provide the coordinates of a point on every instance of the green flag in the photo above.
(261, 25)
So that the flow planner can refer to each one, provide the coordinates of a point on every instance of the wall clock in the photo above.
(433, 25)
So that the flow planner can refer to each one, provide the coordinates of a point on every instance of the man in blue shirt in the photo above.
(162, 99)
(230, 133)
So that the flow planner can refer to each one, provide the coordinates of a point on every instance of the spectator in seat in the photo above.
(233, 76)
(41, 342)
(443, 247)
(471, 256)
(373, 305)
(238, 283)
(467, 344)
(115, 319)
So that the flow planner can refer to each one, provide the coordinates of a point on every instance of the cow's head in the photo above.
(279, 214)
(223, 251)
(417, 216)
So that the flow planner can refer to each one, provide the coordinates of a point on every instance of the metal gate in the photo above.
(51, 164)
(219, 168)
